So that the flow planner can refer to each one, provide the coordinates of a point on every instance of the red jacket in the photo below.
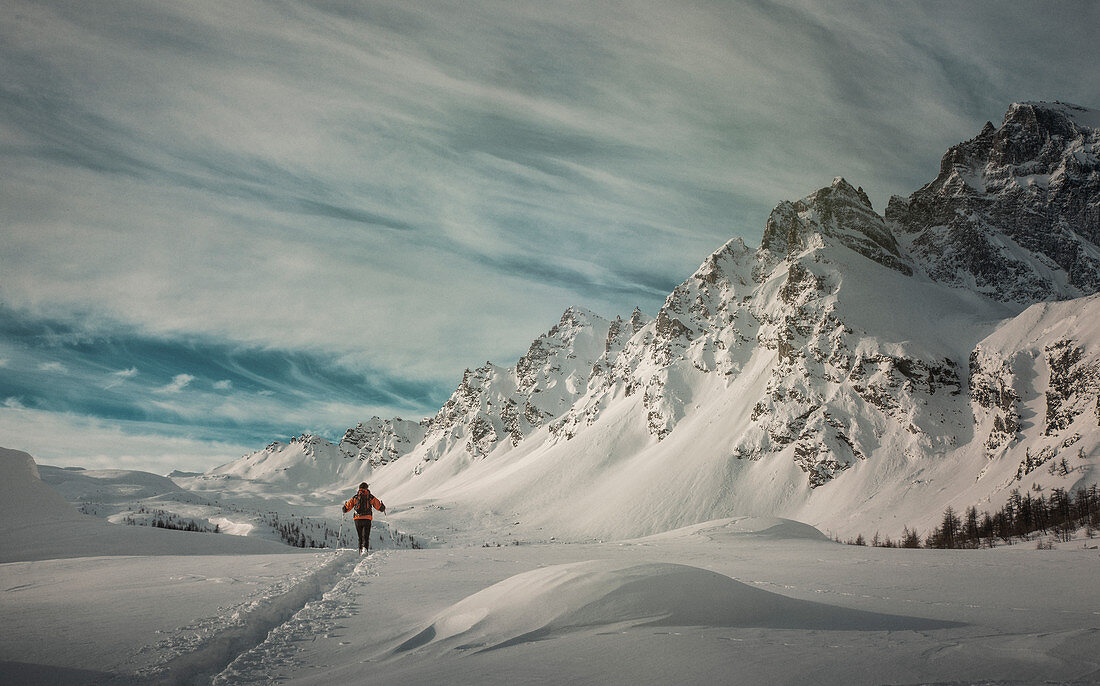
(370, 502)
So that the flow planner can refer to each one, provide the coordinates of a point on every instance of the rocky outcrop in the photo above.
(496, 406)
(381, 441)
(783, 297)
(1072, 406)
(993, 393)
(1073, 388)
(308, 443)
(840, 212)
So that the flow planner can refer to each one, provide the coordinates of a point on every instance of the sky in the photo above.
(223, 224)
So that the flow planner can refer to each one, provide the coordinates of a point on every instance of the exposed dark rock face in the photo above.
(838, 211)
(380, 441)
(992, 388)
(1074, 385)
(1015, 211)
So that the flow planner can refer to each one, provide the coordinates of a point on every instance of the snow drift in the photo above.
(24, 498)
(545, 602)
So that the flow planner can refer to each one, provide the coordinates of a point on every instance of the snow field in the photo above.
(770, 601)
(148, 619)
(284, 646)
(752, 601)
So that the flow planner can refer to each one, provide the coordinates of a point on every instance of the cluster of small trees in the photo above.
(909, 539)
(299, 532)
(162, 519)
(402, 539)
(1023, 516)
(90, 508)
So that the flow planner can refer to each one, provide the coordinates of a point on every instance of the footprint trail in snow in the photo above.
(281, 648)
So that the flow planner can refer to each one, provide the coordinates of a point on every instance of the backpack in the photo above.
(362, 505)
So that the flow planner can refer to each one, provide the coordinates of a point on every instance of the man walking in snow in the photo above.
(364, 505)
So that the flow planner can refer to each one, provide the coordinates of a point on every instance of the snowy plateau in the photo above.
(654, 499)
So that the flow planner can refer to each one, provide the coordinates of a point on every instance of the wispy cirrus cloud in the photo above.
(401, 190)
(178, 383)
(118, 377)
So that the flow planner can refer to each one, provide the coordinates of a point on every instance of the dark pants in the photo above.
(362, 527)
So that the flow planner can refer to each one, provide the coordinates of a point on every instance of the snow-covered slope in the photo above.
(855, 371)
(1035, 389)
(76, 484)
(39, 524)
(771, 595)
(24, 498)
(306, 462)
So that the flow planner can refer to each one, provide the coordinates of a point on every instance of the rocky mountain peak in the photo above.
(840, 212)
(802, 357)
(310, 443)
(494, 405)
(1035, 132)
(1015, 211)
(714, 267)
(577, 327)
(622, 330)
(575, 316)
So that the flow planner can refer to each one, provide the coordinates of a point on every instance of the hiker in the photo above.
(364, 505)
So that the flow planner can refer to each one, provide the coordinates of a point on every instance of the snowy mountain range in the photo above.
(855, 371)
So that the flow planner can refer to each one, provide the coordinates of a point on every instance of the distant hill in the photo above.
(37, 523)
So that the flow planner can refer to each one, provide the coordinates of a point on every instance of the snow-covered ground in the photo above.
(150, 618)
(726, 602)
(740, 600)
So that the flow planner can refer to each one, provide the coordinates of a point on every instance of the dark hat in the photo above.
(364, 485)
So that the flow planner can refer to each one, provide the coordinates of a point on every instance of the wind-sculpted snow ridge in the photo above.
(554, 600)
(23, 495)
(93, 485)
(732, 528)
